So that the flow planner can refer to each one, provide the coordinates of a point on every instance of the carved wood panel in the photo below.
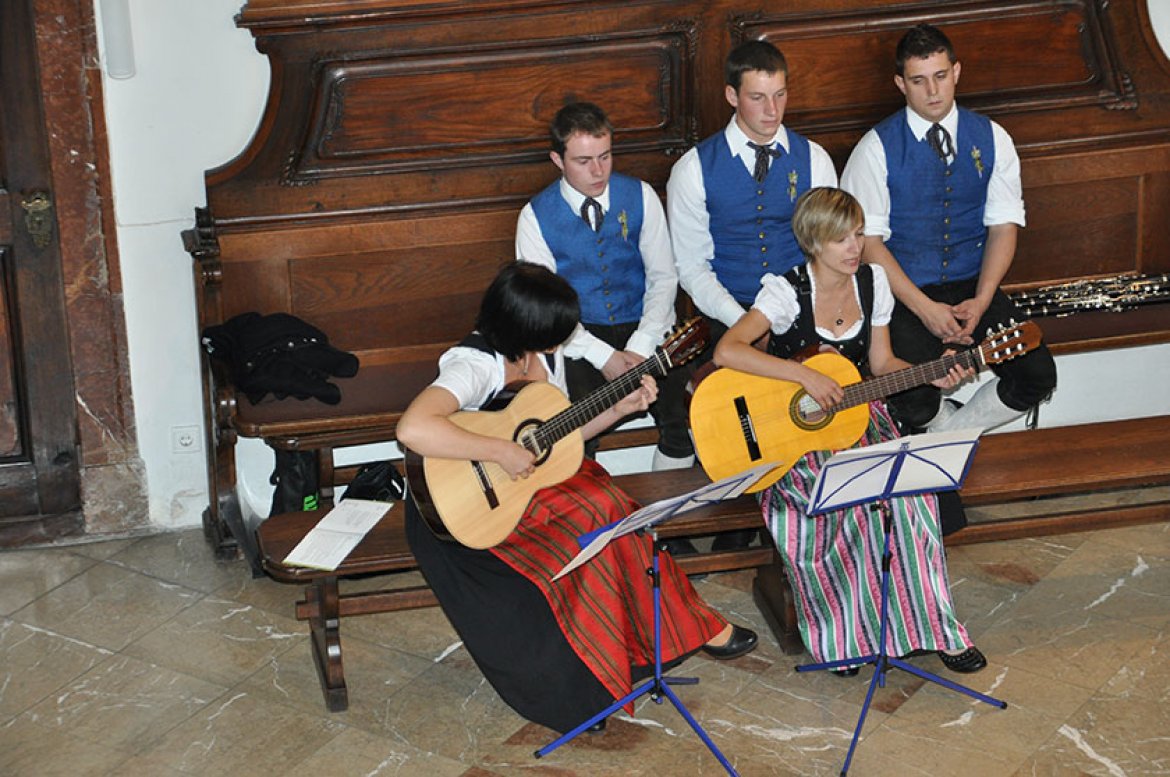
(401, 139)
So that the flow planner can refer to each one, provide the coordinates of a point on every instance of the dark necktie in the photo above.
(940, 141)
(763, 156)
(594, 220)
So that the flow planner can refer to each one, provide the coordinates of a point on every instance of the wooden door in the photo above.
(39, 454)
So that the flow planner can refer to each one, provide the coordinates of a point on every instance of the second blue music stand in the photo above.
(909, 465)
(658, 685)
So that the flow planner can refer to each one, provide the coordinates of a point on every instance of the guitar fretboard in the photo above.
(582, 412)
(878, 388)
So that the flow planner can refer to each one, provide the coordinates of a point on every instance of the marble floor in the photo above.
(147, 657)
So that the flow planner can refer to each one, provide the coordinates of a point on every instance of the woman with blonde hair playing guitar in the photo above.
(835, 301)
(556, 652)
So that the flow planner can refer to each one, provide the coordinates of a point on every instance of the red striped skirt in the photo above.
(605, 608)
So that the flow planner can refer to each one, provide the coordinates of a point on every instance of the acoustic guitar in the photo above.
(475, 502)
(739, 420)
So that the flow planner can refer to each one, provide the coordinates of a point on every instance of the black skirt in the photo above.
(509, 630)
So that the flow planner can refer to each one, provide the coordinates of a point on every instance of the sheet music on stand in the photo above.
(920, 463)
(727, 488)
(935, 461)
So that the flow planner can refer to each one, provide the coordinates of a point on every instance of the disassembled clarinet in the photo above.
(1117, 293)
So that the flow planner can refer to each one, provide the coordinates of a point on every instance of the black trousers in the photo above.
(1024, 381)
(669, 411)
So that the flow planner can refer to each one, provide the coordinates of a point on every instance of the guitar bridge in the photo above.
(748, 429)
(485, 484)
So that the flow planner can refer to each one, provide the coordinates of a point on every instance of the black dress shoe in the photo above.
(679, 546)
(970, 660)
(741, 642)
(849, 671)
(597, 727)
(733, 540)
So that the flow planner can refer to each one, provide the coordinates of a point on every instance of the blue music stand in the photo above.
(909, 465)
(658, 686)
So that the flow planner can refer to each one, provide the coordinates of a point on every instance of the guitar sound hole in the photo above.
(526, 437)
(807, 414)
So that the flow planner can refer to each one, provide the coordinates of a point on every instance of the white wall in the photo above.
(193, 104)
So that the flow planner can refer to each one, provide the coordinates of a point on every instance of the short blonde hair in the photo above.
(823, 214)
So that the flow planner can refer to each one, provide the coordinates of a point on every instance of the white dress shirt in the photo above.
(690, 230)
(474, 377)
(657, 260)
(865, 176)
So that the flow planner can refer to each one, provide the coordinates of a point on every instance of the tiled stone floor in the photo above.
(147, 657)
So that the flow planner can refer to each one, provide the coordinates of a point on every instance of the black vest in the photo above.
(802, 337)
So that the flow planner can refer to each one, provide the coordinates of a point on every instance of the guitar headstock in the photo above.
(686, 341)
(1011, 341)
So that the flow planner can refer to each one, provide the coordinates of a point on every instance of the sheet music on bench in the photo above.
(338, 532)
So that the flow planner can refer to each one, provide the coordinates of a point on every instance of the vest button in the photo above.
(946, 249)
(608, 305)
(759, 221)
(601, 253)
(761, 236)
(946, 219)
(763, 249)
(760, 192)
(759, 207)
(611, 318)
(606, 291)
(604, 268)
(948, 173)
(949, 190)
(763, 264)
(946, 236)
(944, 264)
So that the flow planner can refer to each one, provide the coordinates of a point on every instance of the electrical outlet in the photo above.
(186, 439)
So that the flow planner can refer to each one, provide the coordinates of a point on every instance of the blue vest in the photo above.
(936, 210)
(750, 222)
(605, 268)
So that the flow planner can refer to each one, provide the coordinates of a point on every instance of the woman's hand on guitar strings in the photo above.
(639, 399)
(825, 391)
(516, 460)
(956, 375)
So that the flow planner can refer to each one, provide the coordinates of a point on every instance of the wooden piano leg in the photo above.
(322, 604)
(773, 596)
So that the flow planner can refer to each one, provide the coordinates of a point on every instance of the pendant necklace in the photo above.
(527, 361)
(840, 319)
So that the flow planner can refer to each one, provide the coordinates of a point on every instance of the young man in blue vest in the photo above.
(730, 198)
(943, 203)
(606, 234)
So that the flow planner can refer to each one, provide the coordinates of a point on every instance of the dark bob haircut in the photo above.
(527, 308)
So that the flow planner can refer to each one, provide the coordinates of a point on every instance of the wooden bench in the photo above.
(380, 218)
(1008, 467)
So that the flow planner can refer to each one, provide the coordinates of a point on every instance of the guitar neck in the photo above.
(603, 398)
(920, 374)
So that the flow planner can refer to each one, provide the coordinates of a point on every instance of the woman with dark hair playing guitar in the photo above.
(836, 301)
(556, 652)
